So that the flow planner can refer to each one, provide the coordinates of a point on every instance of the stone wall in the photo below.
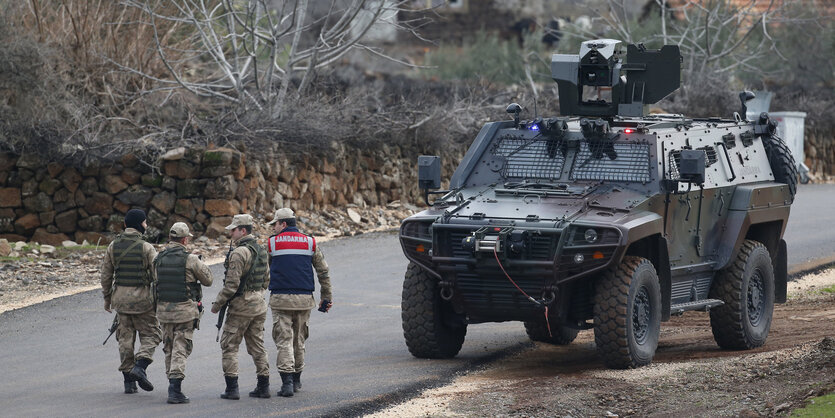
(50, 202)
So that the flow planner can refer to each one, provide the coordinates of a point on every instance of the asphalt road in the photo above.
(52, 362)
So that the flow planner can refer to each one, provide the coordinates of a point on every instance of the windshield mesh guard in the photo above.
(612, 161)
(529, 158)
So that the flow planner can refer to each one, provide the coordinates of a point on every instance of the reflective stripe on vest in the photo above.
(171, 276)
(129, 261)
(255, 278)
(291, 270)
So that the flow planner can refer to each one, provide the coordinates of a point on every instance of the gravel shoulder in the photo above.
(690, 375)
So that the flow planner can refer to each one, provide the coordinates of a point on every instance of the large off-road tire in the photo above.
(560, 334)
(747, 288)
(425, 316)
(782, 162)
(627, 313)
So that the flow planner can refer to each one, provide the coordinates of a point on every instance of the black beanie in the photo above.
(134, 219)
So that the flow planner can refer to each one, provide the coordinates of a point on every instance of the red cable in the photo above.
(496, 255)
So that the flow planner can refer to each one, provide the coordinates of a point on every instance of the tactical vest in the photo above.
(171, 277)
(254, 278)
(128, 261)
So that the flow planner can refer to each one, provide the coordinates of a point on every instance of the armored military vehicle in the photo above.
(606, 217)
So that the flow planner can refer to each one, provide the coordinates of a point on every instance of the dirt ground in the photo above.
(690, 375)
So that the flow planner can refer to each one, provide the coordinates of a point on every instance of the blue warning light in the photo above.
(534, 127)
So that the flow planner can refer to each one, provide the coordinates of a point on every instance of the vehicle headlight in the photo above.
(590, 235)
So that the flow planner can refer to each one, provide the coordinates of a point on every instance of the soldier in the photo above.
(126, 282)
(179, 275)
(243, 291)
(291, 286)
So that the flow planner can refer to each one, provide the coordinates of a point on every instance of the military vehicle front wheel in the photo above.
(431, 328)
(560, 334)
(747, 288)
(627, 314)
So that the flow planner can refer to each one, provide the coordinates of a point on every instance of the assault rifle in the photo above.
(112, 329)
(222, 312)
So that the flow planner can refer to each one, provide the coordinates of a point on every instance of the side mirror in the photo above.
(429, 172)
(692, 166)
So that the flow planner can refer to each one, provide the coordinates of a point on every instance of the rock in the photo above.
(217, 226)
(99, 204)
(218, 162)
(49, 186)
(93, 223)
(26, 224)
(7, 217)
(120, 206)
(151, 180)
(41, 236)
(135, 195)
(174, 154)
(47, 249)
(355, 217)
(26, 281)
(54, 169)
(29, 188)
(217, 207)
(224, 187)
(5, 248)
(115, 223)
(185, 207)
(10, 197)
(169, 183)
(71, 179)
(112, 184)
(29, 160)
(92, 238)
(18, 246)
(89, 186)
(164, 201)
(7, 161)
(69, 244)
(66, 221)
(38, 203)
(189, 188)
(202, 240)
(46, 217)
(129, 160)
(130, 176)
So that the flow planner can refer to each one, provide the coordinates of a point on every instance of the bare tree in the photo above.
(716, 37)
(253, 50)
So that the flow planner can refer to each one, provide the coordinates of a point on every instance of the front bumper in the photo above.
(550, 260)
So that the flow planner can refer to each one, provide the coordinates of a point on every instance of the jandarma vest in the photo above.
(291, 270)
(128, 261)
(171, 277)
(254, 278)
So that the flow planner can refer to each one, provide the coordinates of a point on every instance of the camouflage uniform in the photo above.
(179, 319)
(133, 304)
(291, 314)
(246, 313)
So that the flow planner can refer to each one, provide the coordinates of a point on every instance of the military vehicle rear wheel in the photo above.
(560, 334)
(430, 325)
(747, 288)
(782, 162)
(627, 336)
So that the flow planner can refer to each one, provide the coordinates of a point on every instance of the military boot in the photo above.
(231, 388)
(130, 384)
(175, 395)
(297, 381)
(262, 390)
(138, 374)
(286, 385)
